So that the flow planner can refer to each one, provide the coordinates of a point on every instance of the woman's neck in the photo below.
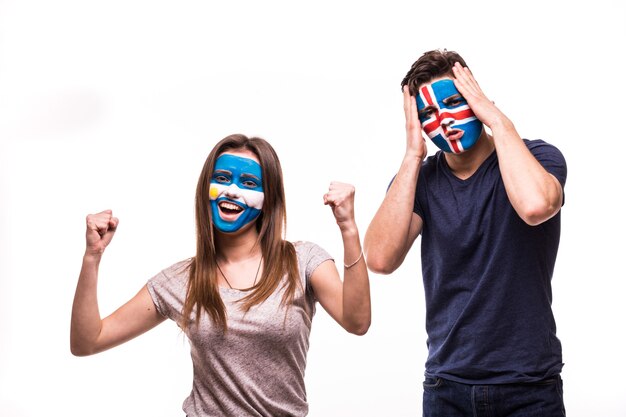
(239, 246)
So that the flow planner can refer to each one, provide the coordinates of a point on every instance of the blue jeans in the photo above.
(445, 398)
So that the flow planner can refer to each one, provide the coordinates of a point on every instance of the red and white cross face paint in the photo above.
(446, 117)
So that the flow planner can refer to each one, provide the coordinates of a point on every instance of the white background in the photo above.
(116, 105)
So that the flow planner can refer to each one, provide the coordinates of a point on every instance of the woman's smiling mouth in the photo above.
(229, 208)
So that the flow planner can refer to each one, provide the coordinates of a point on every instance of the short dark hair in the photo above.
(432, 64)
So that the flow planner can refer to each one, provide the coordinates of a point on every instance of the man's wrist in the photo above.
(501, 124)
(412, 158)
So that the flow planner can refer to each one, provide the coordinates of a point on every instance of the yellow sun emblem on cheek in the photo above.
(213, 192)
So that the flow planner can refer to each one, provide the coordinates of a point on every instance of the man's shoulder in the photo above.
(537, 143)
(541, 147)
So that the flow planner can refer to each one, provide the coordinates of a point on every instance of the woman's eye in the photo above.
(250, 184)
(221, 179)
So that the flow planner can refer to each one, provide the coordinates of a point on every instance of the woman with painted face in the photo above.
(247, 297)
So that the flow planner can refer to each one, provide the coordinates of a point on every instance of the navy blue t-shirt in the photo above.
(487, 275)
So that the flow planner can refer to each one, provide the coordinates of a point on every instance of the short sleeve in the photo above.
(310, 256)
(426, 169)
(551, 159)
(168, 290)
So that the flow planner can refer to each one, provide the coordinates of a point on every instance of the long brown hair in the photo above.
(279, 255)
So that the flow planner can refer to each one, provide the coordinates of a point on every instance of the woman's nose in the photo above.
(233, 191)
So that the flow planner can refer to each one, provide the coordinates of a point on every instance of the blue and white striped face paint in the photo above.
(236, 192)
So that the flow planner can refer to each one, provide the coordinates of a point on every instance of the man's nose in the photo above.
(446, 121)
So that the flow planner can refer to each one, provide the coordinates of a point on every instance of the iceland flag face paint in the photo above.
(236, 192)
(446, 117)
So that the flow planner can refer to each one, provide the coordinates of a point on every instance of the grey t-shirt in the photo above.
(257, 367)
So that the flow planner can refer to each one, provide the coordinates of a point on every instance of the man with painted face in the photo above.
(487, 206)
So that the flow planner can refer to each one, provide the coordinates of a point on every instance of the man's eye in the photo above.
(425, 114)
(454, 101)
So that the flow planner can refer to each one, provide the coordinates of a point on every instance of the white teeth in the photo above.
(229, 206)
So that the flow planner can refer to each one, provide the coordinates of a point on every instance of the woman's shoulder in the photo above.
(168, 289)
(304, 246)
(179, 268)
(307, 251)
(176, 274)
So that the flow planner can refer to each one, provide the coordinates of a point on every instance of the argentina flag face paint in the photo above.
(236, 192)
(446, 117)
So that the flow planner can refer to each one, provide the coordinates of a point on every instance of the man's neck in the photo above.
(465, 164)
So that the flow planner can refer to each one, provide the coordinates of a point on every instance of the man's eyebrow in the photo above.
(452, 97)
